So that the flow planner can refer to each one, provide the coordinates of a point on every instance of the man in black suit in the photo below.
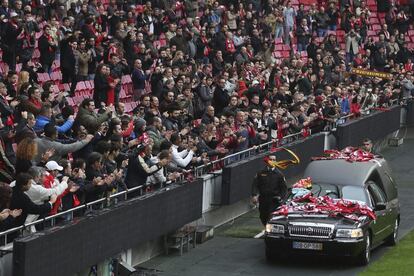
(47, 48)
(68, 60)
(269, 189)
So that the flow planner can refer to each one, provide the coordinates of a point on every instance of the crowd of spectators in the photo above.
(207, 77)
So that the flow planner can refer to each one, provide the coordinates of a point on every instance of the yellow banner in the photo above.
(371, 74)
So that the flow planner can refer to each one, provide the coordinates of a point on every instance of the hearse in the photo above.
(369, 183)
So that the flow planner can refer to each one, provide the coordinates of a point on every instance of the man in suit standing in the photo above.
(269, 189)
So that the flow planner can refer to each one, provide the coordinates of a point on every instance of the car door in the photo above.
(392, 196)
(380, 227)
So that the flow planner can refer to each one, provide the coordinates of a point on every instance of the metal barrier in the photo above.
(244, 154)
(87, 207)
(364, 112)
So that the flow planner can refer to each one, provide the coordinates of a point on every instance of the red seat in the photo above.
(278, 40)
(286, 47)
(278, 47)
(373, 20)
(80, 86)
(372, 33)
(285, 54)
(376, 27)
(126, 79)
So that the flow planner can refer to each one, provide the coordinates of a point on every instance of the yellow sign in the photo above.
(371, 74)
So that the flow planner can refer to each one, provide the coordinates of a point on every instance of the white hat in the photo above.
(13, 14)
(53, 165)
(255, 82)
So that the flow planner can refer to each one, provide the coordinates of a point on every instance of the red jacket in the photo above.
(48, 183)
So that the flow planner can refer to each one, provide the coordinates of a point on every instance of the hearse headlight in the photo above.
(275, 228)
(349, 233)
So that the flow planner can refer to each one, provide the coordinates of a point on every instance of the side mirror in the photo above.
(380, 206)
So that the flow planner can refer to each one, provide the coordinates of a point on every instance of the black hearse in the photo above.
(369, 182)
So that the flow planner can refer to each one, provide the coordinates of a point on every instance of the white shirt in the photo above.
(182, 158)
(38, 194)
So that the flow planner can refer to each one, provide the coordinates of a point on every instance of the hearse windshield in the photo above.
(336, 191)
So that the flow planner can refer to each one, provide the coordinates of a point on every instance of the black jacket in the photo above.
(5, 109)
(270, 183)
(47, 51)
(67, 58)
(221, 99)
(92, 192)
(139, 168)
(23, 131)
(101, 87)
(302, 36)
(22, 201)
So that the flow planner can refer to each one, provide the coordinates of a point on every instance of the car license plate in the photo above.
(307, 245)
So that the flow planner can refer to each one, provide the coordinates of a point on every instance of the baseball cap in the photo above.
(13, 14)
(53, 165)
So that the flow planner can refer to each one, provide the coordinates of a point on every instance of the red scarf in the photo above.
(230, 46)
(37, 103)
(112, 50)
(49, 39)
(249, 54)
(207, 49)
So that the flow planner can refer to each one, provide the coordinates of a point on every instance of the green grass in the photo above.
(245, 226)
(396, 261)
(245, 231)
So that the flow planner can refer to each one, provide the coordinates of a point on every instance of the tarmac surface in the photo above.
(225, 255)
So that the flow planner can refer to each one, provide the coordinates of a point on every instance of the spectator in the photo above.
(162, 177)
(25, 153)
(47, 48)
(84, 58)
(45, 117)
(380, 59)
(221, 96)
(289, 15)
(333, 16)
(50, 181)
(99, 182)
(48, 143)
(204, 95)
(184, 157)
(351, 45)
(25, 127)
(69, 62)
(303, 33)
(140, 167)
(88, 117)
(39, 194)
(208, 117)
(20, 200)
(11, 32)
(101, 85)
(322, 20)
(7, 216)
(138, 79)
(154, 132)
